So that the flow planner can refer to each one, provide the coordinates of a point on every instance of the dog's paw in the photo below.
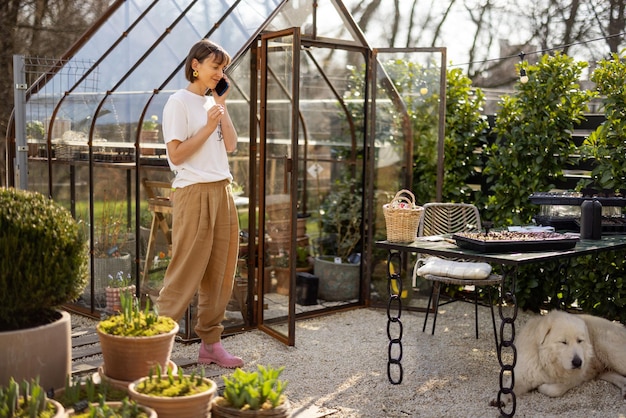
(554, 390)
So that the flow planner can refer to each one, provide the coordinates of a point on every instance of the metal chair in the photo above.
(448, 218)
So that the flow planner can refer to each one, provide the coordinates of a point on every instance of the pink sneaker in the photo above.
(215, 353)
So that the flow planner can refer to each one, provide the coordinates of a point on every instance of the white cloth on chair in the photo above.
(456, 269)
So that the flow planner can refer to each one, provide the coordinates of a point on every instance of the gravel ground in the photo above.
(338, 368)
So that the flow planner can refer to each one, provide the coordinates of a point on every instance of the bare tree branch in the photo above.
(441, 22)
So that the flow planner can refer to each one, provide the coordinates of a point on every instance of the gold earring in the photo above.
(195, 73)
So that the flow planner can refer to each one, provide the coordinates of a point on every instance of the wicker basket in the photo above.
(402, 217)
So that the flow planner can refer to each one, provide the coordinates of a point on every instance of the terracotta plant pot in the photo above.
(129, 358)
(113, 297)
(282, 280)
(220, 409)
(148, 137)
(60, 410)
(192, 406)
(123, 384)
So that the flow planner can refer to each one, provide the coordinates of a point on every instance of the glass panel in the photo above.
(247, 271)
(278, 135)
(330, 21)
(330, 173)
(406, 121)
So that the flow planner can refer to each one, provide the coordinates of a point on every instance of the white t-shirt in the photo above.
(184, 114)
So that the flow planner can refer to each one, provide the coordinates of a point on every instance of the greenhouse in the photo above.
(326, 126)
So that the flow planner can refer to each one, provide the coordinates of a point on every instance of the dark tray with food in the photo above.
(574, 198)
(511, 242)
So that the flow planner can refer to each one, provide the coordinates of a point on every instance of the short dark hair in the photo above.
(201, 51)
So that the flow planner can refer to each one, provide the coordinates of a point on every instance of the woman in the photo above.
(199, 133)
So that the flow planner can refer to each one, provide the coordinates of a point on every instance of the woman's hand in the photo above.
(214, 115)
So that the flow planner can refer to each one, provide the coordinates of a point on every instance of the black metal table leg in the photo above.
(507, 341)
(394, 324)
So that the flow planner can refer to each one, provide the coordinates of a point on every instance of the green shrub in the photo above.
(466, 132)
(533, 141)
(600, 283)
(42, 258)
(606, 144)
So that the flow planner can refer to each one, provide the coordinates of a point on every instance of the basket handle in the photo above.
(398, 198)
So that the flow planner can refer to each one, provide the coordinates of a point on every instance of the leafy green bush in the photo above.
(43, 258)
(466, 132)
(606, 144)
(533, 142)
(600, 283)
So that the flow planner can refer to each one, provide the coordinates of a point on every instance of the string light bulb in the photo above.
(523, 78)
(423, 89)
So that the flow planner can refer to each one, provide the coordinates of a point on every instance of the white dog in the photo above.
(558, 351)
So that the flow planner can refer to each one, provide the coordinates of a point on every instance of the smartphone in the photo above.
(221, 87)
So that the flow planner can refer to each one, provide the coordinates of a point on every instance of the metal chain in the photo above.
(394, 312)
(507, 342)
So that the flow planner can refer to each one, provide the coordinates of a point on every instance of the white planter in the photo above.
(44, 351)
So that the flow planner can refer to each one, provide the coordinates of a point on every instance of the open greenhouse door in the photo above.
(279, 102)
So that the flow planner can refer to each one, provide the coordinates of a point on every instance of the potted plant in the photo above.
(304, 260)
(111, 409)
(117, 285)
(252, 394)
(35, 133)
(337, 263)
(174, 395)
(280, 262)
(28, 400)
(134, 341)
(85, 390)
(149, 133)
(42, 266)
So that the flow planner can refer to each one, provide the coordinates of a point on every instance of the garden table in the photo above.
(510, 262)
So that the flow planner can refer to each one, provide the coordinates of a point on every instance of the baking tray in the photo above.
(556, 242)
(574, 199)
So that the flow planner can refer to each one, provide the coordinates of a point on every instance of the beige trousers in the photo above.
(205, 245)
